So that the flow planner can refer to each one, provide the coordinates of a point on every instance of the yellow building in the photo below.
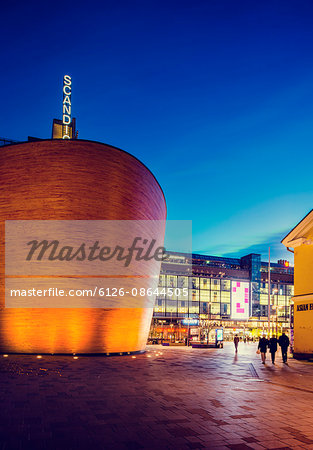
(301, 240)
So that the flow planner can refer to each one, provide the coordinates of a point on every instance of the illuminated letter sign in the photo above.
(67, 105)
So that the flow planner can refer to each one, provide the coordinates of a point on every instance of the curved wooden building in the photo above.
(74, 180)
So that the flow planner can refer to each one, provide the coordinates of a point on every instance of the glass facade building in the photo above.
(231, 292)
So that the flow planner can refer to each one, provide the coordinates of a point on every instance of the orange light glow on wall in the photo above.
(74, 180)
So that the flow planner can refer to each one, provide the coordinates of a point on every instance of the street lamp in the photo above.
(172, 325)
(188, 321)
(275, 307)
(205, 323)
(162, 322)
(209, 321)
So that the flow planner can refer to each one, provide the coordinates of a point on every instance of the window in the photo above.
(193, 307)
(281, 300)
(194, 283)
(194, 295)
(225, 308)
(160, 306)
(162, 280)
(205, 283)
(225, 285)
(215, 285)
(205, 296)
(182, 282)
(171, 281)
(282, 289)
(171, 306)
(289, 290)
(215, 296)
(215, 308)
(225, 297)
(204, 308)
(182, 307)
(182, 295)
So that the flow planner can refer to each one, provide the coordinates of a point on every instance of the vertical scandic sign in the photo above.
(240, 294)
(67, 106)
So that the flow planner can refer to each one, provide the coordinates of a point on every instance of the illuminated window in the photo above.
(194, 295)
(193, 308)
(225, 308)
(225, 297)
(281, 300)
(290, 290)
(205, 296)
(182, 282)
(282, 289)
(194, 282)
(160, 306)
(162, 280)
(215, 285)
(215, 308)
(215, 296)
(225, 285)
(204, 308)
(171, 306)
(204, 283)
(171, 281)
(183, 295)
(182, 306)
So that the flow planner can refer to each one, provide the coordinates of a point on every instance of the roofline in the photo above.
(93, 142)
(224, 258)
(289, 237)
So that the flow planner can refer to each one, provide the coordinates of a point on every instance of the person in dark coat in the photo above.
(236, 342)
(273, 347)
(283, 341)
(263, 344)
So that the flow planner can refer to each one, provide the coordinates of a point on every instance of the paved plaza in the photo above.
(167, 398)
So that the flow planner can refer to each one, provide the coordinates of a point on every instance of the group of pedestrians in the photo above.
(272, 345)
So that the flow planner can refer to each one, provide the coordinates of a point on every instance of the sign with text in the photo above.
(190, 322)
(305, 307)
(67, 106)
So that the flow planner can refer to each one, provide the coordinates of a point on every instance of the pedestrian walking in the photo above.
(236, 342)
(283, 341)
(273, 342)
(263, 344)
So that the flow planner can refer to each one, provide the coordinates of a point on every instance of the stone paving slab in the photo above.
(167, 398)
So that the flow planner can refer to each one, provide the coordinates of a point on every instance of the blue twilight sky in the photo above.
(215, 97)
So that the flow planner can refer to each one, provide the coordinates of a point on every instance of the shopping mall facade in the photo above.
(199, 294)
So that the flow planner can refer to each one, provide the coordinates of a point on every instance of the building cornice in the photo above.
(296, 236)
